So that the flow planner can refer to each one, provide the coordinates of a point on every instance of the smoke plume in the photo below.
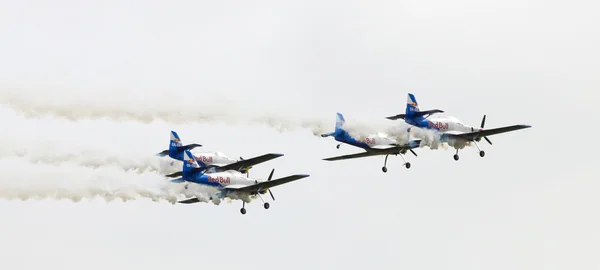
(24, 181)
(118, 106)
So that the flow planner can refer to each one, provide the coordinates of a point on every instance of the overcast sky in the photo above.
(531, 203)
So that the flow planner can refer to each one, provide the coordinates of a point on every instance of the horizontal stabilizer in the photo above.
(415, 114)
(163, 153)
(189, 201)
(188, 147)
(177, 180)
(397, 116)
(176, 174)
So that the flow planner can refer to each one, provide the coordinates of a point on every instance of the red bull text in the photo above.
(205, 159)
(367, 141)
(438, 125)
(219, 179)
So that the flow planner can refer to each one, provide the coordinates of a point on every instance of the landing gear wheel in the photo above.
(384, 169)
(266, 205)
(407, 165)
(481, 153)
(243, 211)
(456, 157)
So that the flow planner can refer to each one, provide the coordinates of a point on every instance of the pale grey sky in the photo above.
(531, 203)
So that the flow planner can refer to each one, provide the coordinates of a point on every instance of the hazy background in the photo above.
(531, 203)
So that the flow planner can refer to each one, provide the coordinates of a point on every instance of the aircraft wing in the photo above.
(416, 114)
(358, 155)
(248, 162)
(487, 132)
(269, 184)
(379, 150)
(237, 166)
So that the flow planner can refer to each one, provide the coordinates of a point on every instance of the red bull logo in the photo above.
(219, 179)
(205, 159)
(437, 125)
(367, 141)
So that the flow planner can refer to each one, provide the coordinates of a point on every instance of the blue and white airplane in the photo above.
(216, 159)
(229, 183)
(451, 129)
(374, 144)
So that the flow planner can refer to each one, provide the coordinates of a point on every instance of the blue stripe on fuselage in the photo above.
(343, 136)
(203, 180)
(420, 122)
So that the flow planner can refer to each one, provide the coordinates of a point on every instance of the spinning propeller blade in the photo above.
(247, 169)
(482, 125)
(269, 179)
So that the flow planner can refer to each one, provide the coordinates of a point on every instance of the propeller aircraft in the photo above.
(230, 183)
(217, 159)
(451, 129)
(374, 144)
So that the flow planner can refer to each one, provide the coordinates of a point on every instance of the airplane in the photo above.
(229, 183)
(451, 129)
(374, 145)
(176, 151)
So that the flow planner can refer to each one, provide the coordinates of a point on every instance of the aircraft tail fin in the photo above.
(176, 148)
(189, 164)
(339, 121)
(412, 107)
(339, 125)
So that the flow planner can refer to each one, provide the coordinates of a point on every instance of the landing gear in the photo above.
(406, 163)
(265, 204)
(481, 152)
(384, 169)
(456, 155)
(243, 210)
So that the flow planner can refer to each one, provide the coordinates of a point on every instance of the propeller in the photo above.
(482, 125)
(247, 169)
(271, 176)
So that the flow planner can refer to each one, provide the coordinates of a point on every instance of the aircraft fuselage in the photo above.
(365, 142)
(441, 124)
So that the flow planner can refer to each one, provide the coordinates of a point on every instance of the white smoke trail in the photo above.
(119, 107)
(55, 153)
(23, 180)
